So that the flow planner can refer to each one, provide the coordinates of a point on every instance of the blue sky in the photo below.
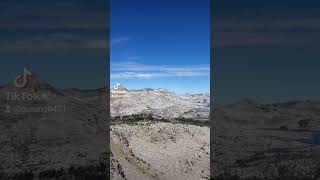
(161, 44)
(266, 50)
(63, 41)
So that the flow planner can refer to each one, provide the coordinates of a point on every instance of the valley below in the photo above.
(160, 135)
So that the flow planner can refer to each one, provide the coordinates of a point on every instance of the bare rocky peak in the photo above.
(33, 83)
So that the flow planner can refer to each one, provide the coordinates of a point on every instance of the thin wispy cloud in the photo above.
(266, 31)
(55, 42)
(238, 39)
(133, 58)
(119, 41)
(52, 26)
(140, 71)
(52, 15)
(264, 24)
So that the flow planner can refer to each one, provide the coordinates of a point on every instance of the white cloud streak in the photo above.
(140, 71)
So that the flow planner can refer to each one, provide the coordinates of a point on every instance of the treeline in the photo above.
(97, 172)
(191, 121)
(135, 118)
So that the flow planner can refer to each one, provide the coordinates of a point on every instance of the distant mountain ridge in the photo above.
(162, 103)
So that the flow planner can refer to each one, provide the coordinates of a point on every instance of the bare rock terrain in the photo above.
(266, 141)
(157, 134)
(52, 133)
(163, 150)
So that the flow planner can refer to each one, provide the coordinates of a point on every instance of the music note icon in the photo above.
(22, 81)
